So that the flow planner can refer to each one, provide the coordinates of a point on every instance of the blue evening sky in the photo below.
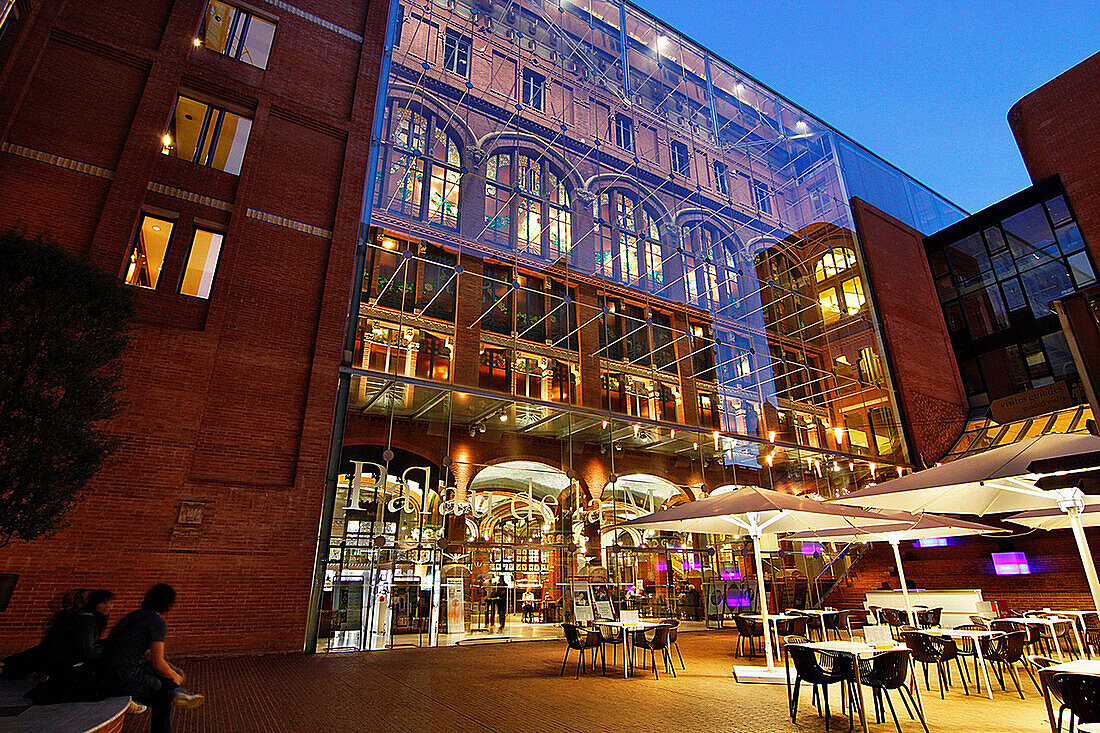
(925, 85)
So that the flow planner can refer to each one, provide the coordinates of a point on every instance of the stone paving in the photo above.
(516, 687)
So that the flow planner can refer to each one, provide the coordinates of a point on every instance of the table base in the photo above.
(759, 675)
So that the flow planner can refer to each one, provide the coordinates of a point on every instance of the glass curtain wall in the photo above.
(629, 287)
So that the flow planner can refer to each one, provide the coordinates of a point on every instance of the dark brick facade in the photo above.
(229, 400)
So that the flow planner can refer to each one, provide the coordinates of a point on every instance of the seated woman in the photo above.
(78, 641)
(38, 659)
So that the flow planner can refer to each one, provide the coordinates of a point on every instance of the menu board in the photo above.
(582, 602)
(601, 598)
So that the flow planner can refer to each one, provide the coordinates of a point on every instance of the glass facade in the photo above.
(996, 275)
(604, 272)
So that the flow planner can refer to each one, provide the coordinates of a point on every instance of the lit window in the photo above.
(853, 295)
(525, 189)
(834, 262)
(624, 132)
(456, 53)
(1010, 563)
(202, 263)
(720, 181)
(147, 252)
(681, 162)
(628, 242)
(207, 135)
(237, 33)
(830, 305)
(819, 199)
(421, 151)
(534, 86)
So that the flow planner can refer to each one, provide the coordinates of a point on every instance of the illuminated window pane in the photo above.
(443, 197)
(204, 134)
(830, 305)
(854, 298)
(237, 33)
(529, 235)
(202, 262)
(147, 252)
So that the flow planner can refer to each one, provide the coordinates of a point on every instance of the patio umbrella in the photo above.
(754, 512)
(1005, 479)
(929, 526)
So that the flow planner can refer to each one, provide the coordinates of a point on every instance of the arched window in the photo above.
(420, 150)
(839, 291)
(834, 262)
(710, 268)
(526, 191)
(629, 242)
(785, 304)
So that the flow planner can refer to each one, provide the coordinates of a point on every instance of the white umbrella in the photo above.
(997, 481)
(1055, 518)
(927, 527)
(753, 512)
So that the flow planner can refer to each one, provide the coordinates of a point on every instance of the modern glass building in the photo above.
(603, 271)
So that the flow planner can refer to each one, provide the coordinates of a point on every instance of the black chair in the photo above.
(885, 672)
(874, 612)
(582, 640)
(673, 627)
(613, 636)
(979, 621)
(1081, 696)
(1091, 621)
(1005, 651)
(792, 627)
(895, 618)
(844, 621)
(821, 669)
(1032, 665)
(750, 629)
(658, 642)
(832, 624)
(927, 618)
(1033, 636)
(938, 650)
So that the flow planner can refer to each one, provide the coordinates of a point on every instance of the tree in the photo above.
(63, 328)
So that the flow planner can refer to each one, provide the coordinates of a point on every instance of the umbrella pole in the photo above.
(901, 577)
(1086, 556)
(763, 599)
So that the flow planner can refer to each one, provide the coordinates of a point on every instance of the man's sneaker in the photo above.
(136, 708)
(185, 699)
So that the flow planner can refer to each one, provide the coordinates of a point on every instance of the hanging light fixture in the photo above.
(839, 433)
(771, 436)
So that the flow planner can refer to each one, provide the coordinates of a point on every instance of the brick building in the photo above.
(230, 379)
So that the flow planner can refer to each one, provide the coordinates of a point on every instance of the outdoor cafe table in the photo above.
(821, 613)
(1052, 623)
(628, 634)
(852, 648)
(773, 621)
(1078, 666)
(1079, 615)
(975, 635)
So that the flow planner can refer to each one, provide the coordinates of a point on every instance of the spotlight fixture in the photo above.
(481, 428)
(672, 432)
(771, 436)
(503, 417)
(636, 431)
(196, 42)
(473, 431)
(603, 424)
(839, 433)
(695, 446)
(618, 446)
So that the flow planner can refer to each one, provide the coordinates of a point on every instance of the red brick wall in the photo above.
(1057, 580)
(228, 401)
(1055, 128)
(922, 361)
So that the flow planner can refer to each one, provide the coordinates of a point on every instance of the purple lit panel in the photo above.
(737, 599)
(734, 574)
(812, 548)
(1010, 563)
(933, 542)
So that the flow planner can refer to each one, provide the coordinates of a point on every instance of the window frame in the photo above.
(680, 158)
(624, 132)
(616, 245)
(457, 51)
(549, 196)
(410, 144)
(241, 40)
(209, 135)
(128, 262)
(187, 261)
(533, 88)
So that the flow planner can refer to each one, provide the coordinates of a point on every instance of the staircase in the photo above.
(871, 569)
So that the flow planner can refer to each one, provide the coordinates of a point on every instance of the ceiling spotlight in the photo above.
(473, 431)
(839, 433)
(672, 432)
(618, 446)
(196, 42)
(603, 424)
(481, 427)
(771, 436)
(636, 431)
(503, 417)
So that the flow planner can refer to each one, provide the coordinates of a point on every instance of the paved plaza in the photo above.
(516, 687)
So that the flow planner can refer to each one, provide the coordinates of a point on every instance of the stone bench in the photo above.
(17, 715)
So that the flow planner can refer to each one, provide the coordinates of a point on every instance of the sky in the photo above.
(925, 85)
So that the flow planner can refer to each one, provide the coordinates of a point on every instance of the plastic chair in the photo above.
(895, 618)
(1032, 665)
(939, 650)
(748, 629)
(820, 669)
(1081, 696)
(886, 672)
(673, 628)
(981, 621)
(582, 640)
(1005, 651)
(614, 636)
(653, 644)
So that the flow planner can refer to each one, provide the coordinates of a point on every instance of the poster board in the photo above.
(601, 599)
(582, 602)
(349, 604)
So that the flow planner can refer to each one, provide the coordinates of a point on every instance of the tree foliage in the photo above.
(62, 334)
